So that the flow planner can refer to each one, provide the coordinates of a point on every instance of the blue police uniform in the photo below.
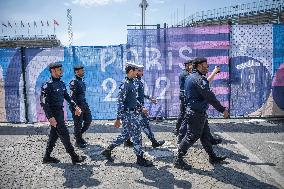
(128, 111)
(53, 93)
(145, 119)
(77, 93)
(52, 96)
(198, 97)
(182, 98)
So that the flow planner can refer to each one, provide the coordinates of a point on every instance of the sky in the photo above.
(96, 22)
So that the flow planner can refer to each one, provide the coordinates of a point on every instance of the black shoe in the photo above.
(216, 159)
(156, 144)
(216, 141)
(128, 143)
(181, 164)
(141, 161)
(107, 154)
(80, 144)
(48, 159)
(78, 159)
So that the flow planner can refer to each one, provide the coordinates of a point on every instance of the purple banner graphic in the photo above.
(163, 52)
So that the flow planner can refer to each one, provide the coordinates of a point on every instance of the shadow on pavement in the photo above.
(160, 178)
(235, 178)
(78, 175)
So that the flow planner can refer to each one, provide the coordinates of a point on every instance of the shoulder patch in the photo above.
(72, 82)
(44, 86)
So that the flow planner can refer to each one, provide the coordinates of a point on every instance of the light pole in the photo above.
(143, 6)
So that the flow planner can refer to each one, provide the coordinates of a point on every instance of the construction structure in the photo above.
(261, 12)
(29, 41)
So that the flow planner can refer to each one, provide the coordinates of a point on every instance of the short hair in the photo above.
(128, 68)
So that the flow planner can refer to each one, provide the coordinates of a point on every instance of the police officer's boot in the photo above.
(79, 142)
(213, 159)
(143, 162)
(48, 159)
(156, 143)
(128, 143)
(180, 163)
(107, 153)
(76, 158)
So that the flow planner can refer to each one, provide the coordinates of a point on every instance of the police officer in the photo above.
(145, 119)
(198, 97)
(181, 128)
(53, 93)
(129, 113)
(182, 77)
(77, 93)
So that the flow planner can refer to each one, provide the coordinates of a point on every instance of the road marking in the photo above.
(275, 142)
(266, 168)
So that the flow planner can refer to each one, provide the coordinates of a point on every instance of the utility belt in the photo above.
(137, 109)
(192, 110)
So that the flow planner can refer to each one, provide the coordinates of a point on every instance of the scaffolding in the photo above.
(261, 12)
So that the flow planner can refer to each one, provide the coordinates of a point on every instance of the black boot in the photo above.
(156, 143)
(49, 159)
(143, 162)
(107, 152)
(216, 141)
(76, 158)
(180, 163)
(215, 159)
(128, 143)
(79, 142)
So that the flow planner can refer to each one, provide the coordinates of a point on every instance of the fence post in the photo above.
(23, 64)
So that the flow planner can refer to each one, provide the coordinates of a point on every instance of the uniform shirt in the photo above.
(182, 78)
(53, 93)
(140, 89)
(199, 95)
(127, 97)
(78, 91)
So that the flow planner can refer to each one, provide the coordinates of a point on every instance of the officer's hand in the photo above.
(226, 114)
(154, 100)
(145, 111)
(78, 111)
(117, 123)
(52, 122)
(217, 69)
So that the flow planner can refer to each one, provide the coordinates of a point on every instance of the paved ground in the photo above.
(255, 149)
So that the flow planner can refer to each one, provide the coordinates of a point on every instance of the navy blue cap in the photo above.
(54, 65)
(199, 60)
(78, 67)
